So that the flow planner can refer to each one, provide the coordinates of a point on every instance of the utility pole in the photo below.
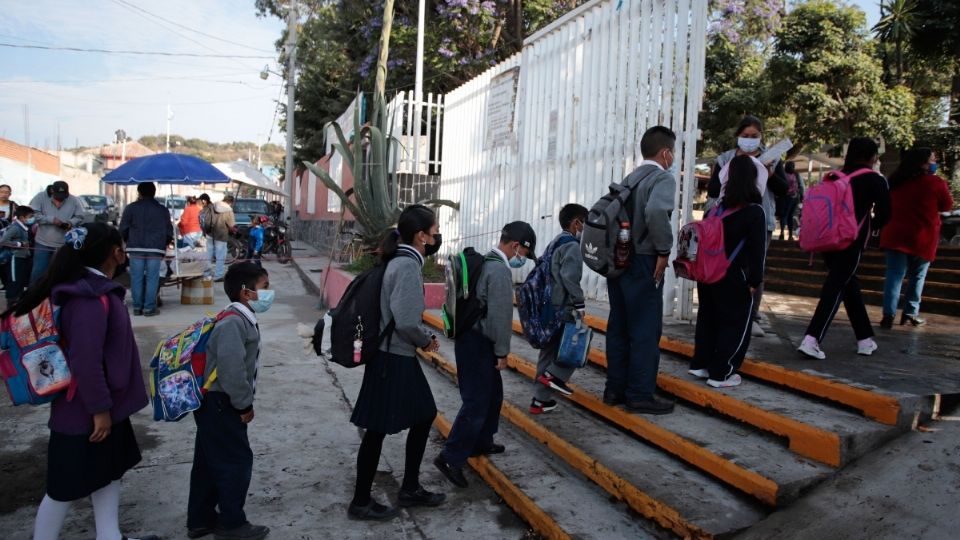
(418, 91)
(288, 168)
(26, 129)
(169, 117)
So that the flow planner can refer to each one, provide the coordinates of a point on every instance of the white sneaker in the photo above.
(699, 373)
(756, 330)
(867, 348)
(812, 350)
(733, 380)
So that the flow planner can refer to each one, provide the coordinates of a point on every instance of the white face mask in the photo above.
(748, 144)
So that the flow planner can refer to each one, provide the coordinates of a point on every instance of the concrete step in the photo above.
(931, 289)
(942, 306)
(947, 256)
(775, 264)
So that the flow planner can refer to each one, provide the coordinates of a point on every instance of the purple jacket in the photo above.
(105, 364)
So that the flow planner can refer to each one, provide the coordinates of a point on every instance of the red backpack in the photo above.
(828, 221)
(701, 255)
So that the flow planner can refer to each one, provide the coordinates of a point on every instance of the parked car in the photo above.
(175, 204)
(244, 209)
(101, 208)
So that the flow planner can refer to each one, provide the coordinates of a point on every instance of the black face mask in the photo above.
(121, 268)
(430, 249)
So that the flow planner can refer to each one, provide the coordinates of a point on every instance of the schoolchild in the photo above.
(724, 316)
(566, 269)
(92, 443)
(395, 395)
(222, 458)
(16, 238)
(482, 353)
(255, 238)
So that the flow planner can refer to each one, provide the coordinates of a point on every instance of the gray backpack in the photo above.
(603, 223)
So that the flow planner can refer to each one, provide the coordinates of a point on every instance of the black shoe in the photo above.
(651, 406)
(199, 532)
(138, 312)
(372, 511)
(420, 497)
(912, 320)
(886, 322)
(489, 450)
(453, 474)
(247, 531)
(540, 407)
(147, 537)
(611, 397)
(152, 313)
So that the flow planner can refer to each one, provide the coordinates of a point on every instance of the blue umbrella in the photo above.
(166, 169)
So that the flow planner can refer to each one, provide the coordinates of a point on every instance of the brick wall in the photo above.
(41, 161)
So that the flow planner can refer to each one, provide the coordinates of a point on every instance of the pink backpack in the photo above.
(828, 221)
(701, 255)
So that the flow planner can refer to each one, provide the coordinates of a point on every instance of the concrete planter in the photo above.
(338, 281)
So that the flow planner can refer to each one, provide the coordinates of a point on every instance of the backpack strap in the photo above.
(213, 373)
(736, 250)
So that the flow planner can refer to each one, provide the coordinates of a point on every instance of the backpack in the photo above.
(33, 363)
(599, 239)
(701, 255)
(538, 316)
(462, 308)
(355, 334)
(206, 221)
(176, 372)
(793, 184)
(829, 221)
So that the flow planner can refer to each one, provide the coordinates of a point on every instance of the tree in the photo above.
(896, 25)
(822, 71)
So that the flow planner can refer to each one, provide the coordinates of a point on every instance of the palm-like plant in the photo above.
(896, 25)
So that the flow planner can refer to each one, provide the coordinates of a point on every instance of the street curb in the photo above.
(312, 287)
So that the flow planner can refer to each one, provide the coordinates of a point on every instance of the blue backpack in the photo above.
(538, 317)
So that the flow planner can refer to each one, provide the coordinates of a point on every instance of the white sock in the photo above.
(865, 342)
(50, 518)
(810, 340)
(106, 511)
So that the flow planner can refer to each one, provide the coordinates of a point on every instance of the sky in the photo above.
(88, 96)
(92, 95)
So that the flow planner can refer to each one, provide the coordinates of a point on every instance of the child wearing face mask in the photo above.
(566, 268)
(16, 238)
(482, 352)
(222, 458)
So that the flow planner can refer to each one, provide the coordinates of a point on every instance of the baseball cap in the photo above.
(521, 231)
(59, 190)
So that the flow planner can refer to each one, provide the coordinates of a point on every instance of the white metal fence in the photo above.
(560, 121)
(416, 130)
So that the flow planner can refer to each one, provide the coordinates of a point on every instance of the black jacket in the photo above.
(146, 227)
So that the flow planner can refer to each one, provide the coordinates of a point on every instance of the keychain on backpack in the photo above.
(358, 343)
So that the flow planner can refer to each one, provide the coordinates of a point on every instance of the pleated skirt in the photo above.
(394, 396)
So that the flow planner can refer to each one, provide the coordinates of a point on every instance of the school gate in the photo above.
(562, 119)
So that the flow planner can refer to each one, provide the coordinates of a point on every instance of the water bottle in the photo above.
(621, 254)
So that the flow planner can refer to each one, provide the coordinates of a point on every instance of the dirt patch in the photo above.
(19, 475)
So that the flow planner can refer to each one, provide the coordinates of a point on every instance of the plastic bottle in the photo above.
(621, 254)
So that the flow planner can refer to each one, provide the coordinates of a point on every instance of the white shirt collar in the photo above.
(245, 311)
(22, 224)
(652, 162)
(96, 271)
(414, 250)
(502, 255)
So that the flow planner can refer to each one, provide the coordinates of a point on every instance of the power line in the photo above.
(142, 53)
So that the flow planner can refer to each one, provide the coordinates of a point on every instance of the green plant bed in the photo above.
(433, 272)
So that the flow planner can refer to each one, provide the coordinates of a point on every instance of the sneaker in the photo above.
(540, 407)
(554, 383)
(420, 497)
(886, 322)
(866, 347)
(650, 406)
(699, 373)
(247, 531)
(733, 380)
(912, 320)
(372, 511)
(811, 349)
(756, 330)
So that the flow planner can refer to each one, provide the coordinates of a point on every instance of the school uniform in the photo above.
(477, 351)
(871, 201)
(724, 314)
(222, 458)
(16, 237)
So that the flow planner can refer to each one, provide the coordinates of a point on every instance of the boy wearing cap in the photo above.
(482, 353)
(57, 212)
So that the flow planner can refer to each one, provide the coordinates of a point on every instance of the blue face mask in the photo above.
(31, 221)
(264, 300)
(517, 261)
(933, 168)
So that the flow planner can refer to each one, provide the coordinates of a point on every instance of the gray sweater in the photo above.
(233, 350)
(70, 212)
(652, 204)
(14, 236)
(401, 300)
(495, 292)
(566, 267)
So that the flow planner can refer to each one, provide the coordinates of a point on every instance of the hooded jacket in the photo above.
(101, 352)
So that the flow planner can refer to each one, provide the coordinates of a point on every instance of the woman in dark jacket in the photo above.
(395, 394)
(92, 443)
(724, 315)
(917, 196)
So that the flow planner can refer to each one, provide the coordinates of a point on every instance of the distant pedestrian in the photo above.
(218, 226)
(566, 269)
(635, 322)
(16, 238)
(395, 395)
(871, 201)
(222, 458)
(723, 316)
(57, 212)
(749, 134)
(255, 238)
(189, 225)
(787, 205)
(910, 239)
(7, 210)
(482, 354)
(92, 442)
(147, 230)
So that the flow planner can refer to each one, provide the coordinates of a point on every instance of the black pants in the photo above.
(16, 277)
(369, 456)
(222, 465)
(481, 389)
(841, 285)
(723, 325)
